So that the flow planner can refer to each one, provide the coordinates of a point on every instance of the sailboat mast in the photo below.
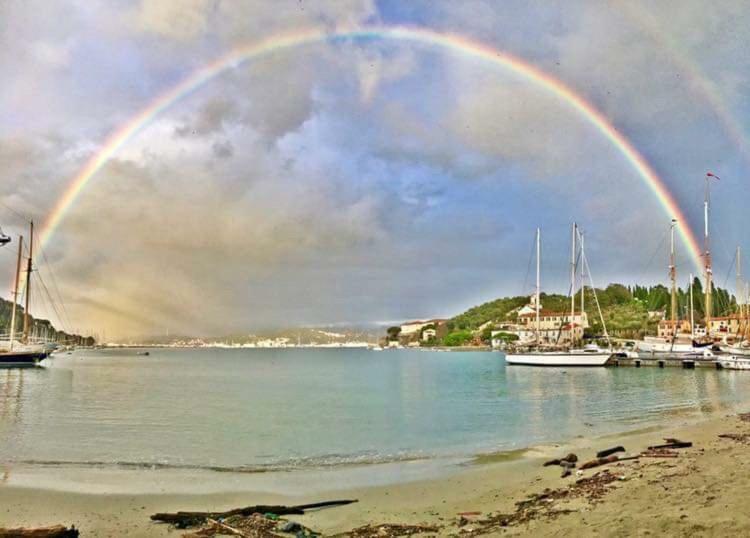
(739, 284)
(692, 315)
(673, 278)
(583, 286)
(707, 256)
(538, 282)
(28, 286)
(15, 293)
(573, 279)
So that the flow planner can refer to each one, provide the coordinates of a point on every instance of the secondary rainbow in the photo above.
(452, 42)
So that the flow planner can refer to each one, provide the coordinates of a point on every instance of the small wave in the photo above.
(292, 464)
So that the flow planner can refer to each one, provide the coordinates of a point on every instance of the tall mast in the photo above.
(692, 316)
(739, 293)
(739, 284)
(673, 278)
(583, 286)
(707, 257)
(15, 293)
(573, 278)
(538, 281)
(28, 286)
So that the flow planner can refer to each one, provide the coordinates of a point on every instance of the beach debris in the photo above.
(570, 458)
(256, 526)
(184, 520)
(290, 526)
(609, 451)
(389, 530)
(55, 531)
(542, 505)
(659, 453)
(597, 462)
(671, 443)
(739, 437)
(744, 417)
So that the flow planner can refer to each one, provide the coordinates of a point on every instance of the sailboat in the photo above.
(676, 343)
(587, 356)
(22, 354)
(738, 357)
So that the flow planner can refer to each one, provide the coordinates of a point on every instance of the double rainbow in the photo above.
(453, 42)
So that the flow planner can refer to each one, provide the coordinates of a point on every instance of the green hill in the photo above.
(625, 310)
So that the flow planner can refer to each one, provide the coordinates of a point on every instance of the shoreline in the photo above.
(484, 486)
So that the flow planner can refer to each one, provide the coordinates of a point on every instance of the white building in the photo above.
(427, 334)
(554, 327)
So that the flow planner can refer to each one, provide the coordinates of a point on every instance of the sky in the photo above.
(351, 181)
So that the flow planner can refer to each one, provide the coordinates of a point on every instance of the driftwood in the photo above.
(570, 458)
(604, 461)
(56, 531)
(659, 453)
(192, 519)
(671, 443)
(609, 451)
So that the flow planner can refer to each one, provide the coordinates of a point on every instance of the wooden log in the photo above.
(192, 519)
(55, 531)
(604, 461)
(609, 451)
(674, 443)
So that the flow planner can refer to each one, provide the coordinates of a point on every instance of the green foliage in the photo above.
(458, 338)
(393, 332)
(495, 311)
(625, 309)
(506, 337)
(39, 325)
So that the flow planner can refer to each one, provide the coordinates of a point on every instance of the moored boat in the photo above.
(21, 358)
(735, 362)
(590, 355)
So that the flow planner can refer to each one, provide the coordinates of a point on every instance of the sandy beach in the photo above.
(702, 492)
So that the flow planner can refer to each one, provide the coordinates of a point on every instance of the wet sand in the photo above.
(702, 492)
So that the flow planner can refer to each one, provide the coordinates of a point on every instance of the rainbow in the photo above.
(452, 42)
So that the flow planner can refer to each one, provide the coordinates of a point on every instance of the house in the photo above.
(726, 325)
(553, 328)
(413, 327)
(429, 334)
(657, 314)
(667, 329)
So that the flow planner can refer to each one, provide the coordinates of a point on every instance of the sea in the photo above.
(286, 420)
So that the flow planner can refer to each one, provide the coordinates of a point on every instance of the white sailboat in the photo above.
(738, 357)
(588, 355)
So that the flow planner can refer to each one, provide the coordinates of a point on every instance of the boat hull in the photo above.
(735, 363)
(21, 358)
(558, 359)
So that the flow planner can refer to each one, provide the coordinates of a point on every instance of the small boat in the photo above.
(143, 353)
(735, 362)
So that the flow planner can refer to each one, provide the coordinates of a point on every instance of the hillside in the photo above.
(625, 310)
(41, 325)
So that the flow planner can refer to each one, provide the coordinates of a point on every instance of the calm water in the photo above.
(288, 409)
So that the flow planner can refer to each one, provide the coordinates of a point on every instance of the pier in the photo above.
(664, 362)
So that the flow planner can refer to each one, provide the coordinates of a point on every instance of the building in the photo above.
(730, 325)
(428, 334)
(668, 330)
(414, 327)
(556, 328)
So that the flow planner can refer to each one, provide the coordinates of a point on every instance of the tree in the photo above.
(393, 333)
